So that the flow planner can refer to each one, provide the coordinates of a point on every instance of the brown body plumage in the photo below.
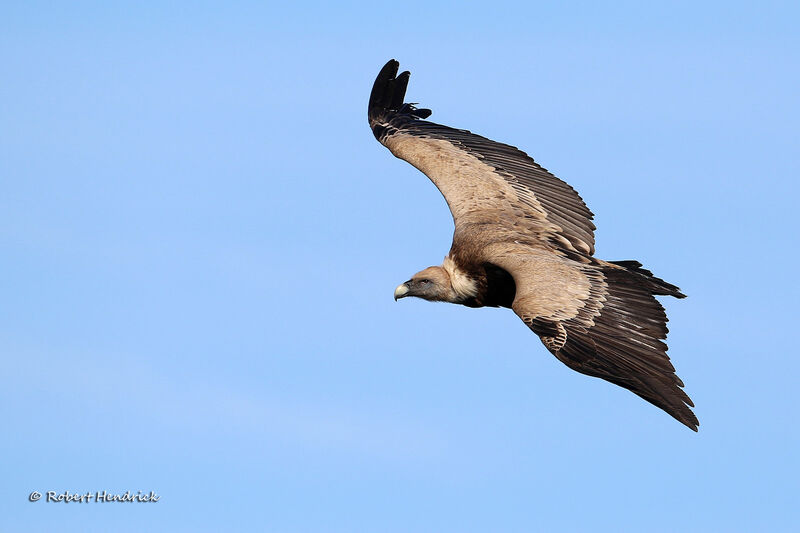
(524, 239)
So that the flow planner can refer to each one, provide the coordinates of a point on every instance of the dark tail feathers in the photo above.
(655, 285)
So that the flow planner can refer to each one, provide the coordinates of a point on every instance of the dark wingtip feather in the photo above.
(399, 92)
(388, 93)
(382, 89)
(690, 422)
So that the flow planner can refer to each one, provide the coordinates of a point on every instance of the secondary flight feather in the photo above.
(524, 239)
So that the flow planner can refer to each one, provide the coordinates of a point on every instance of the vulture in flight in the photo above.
(524, 239)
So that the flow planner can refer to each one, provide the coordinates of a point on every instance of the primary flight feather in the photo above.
(524, 239)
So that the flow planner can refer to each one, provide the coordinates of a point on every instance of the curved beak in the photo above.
(401, 291)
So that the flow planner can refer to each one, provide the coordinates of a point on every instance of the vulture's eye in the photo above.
(424, 281)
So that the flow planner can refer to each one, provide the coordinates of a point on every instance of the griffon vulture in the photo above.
(524, 239)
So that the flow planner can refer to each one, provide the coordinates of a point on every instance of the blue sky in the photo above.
(199, 240)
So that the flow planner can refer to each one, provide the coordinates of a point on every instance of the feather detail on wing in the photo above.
(483, 181)
(615, 332)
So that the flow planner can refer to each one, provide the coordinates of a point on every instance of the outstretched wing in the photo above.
(602, 320)
(483, 181)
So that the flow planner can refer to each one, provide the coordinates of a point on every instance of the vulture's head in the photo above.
(431, 284)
